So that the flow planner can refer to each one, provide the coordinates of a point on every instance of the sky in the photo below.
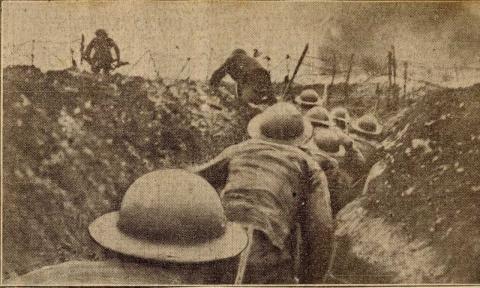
(167, 33)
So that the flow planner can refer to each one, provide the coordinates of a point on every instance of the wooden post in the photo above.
(456, 73)
(33, 52)
(394, 66)
(378, 92)
(389, 89)
(347, 79)
(154, 65)
(389, 66)
(396, 88)
(405, 78)
(334, 71)
(74, 63)
(285, 92)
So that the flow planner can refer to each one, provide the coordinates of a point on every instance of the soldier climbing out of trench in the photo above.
(253, 81)
(280, 193)
(102, 55)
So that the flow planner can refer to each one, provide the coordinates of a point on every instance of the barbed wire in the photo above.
(18, 50)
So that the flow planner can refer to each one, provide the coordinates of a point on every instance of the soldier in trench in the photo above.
(270, 184)
(253, 81)
(171, 227)
(335, 152)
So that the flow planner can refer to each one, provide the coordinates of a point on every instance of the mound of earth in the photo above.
(418, 220)
(73, 144)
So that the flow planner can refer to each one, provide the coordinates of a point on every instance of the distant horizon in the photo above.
(162, 35)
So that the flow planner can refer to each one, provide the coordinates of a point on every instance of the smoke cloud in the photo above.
(440, 33)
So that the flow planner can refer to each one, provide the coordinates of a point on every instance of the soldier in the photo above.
(253, 81)
(366, 132)
(268, 183)
(341, 117)
(170, 229)
(102, 57)
(309, 98)
(329, 140)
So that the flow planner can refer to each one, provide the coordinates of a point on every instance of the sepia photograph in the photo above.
(333, 143)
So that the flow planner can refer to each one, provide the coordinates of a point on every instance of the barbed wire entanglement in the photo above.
(181, 63)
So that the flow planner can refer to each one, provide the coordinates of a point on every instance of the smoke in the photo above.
(431, 33)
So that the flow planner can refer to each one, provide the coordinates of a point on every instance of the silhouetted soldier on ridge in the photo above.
(102, 56)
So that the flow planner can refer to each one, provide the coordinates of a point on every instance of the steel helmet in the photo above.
(328, 140)
(170, 215)
(341, 117)
(309, 98)
(368, 124)
(239, 52)
(101, 33)
(319, 116)
(281, 123)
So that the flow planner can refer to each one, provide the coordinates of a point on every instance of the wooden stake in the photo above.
(334, 72)
(456, 73)
(394, 66)
(405, 67)
(33, 52)
(389, 89)
(285, 92)
(389, 66)
(377, 93)
(347, 79)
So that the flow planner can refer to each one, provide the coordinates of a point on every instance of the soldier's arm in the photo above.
(221, 72)
(318, 229)
(218, 75)
(214, 171)
(117, 50)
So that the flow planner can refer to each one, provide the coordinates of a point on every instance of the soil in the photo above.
(73, 145)
(418, 222)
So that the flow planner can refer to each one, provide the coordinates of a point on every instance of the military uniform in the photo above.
(253, 81)
(102, 56)
(268, 198)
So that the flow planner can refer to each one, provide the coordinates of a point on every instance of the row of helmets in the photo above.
(367, 125)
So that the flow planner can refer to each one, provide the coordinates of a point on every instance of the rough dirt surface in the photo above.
(73, 145)
(419, 220)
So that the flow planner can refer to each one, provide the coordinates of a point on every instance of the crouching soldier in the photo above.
(309, 98)
(366, 132)
(332, 143)
(341, 117)
(102, 57)
(170, 229)
(269, 184)
(253, 81)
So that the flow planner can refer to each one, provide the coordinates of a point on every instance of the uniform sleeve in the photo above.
(215, 171)
(218, 75)
(221, 72)
(317, 229)
(115, 47)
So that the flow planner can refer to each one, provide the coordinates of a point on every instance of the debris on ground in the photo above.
(418, 220)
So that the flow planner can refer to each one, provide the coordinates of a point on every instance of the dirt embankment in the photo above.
(73, 145)
(419, 219)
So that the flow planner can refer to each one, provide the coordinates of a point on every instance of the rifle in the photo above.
(82, 49)
(118, 64)
(285, 92)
